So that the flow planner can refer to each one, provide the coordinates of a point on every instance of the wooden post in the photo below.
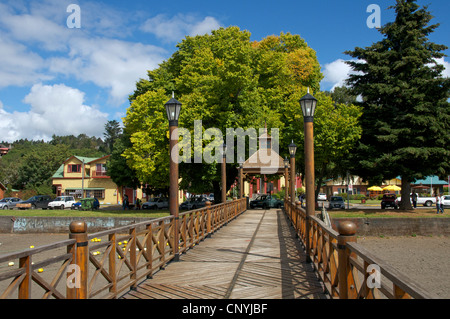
(347, 231)
(224, 179)
(80, 251)
(25, 285)
(292, 187)
(173, 186)
(132, 247)
(208, 219)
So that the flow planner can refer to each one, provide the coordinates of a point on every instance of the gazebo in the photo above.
(264, 161)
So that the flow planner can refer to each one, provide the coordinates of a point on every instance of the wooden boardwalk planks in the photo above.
(255, 256)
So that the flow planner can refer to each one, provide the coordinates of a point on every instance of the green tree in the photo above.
(225, 80)
(406, 116)
(117, 166)
(111, 134)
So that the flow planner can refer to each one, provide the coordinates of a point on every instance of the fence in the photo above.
(107, 263)
(347, 269)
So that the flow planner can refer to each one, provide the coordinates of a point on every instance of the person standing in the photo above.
(414, 199)
(125, 202)
(442, 203)
(438, 202)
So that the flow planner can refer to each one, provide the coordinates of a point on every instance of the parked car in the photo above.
(77, 205)
(422, 200)
(38, 201)
(156, 203)
(322, 196)
(266, 201)
(389, 200)
(193, 203)
(62, 202)
(9, 202)
(446, 201)
(336, 202)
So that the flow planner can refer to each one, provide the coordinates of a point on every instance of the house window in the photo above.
(74, 168)
(97, 193)
(100, 170)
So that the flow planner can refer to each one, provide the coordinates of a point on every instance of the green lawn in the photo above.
(387, 213)
(78, 213)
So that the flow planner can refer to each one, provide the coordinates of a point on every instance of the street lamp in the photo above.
(308, 104)
(173, 108)
(224, 173)
(241, 177)
(286, 177)
(292, 149)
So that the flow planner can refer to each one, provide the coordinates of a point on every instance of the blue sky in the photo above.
(60, 80)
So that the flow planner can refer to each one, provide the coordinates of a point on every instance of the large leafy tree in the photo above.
(406, 115)
(227, 81)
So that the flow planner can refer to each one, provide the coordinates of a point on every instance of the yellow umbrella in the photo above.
(375, 189)
(392, 188)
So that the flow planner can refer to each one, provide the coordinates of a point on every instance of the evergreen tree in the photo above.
(406, 115)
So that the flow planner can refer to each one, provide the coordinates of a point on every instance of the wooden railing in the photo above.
(347, 269)
(108, 263)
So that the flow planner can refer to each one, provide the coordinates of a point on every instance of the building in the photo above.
(4, 149)
(84, 177)
(2, 190)
(357, 186)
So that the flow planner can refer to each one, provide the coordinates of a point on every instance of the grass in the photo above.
(387, 213)
(104, 212)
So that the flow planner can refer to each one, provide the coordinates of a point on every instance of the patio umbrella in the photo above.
(375, 189)
(392, 188)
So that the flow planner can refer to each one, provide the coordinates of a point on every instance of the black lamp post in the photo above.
(308, 104)
(292, 149)
(241, 177)
(286, 178)
(224, 173)
(173, 108)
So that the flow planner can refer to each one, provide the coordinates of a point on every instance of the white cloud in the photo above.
(446, 72)
(19, 66)
(177, 27)
(335, 73)
(108, 63)
(55, 109)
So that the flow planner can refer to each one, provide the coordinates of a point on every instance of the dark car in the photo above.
(194, 203)
(266, 201)
(38, 201)
(95, 204)
(389, 200)
(336, 202)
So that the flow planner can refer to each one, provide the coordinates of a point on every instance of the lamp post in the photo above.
(224, 173)
(286, 177)
(292, 149)
(241, 177)
(308, 104)
(173, 108)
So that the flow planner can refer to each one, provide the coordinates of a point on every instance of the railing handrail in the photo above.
(141, 258)
(336, 260)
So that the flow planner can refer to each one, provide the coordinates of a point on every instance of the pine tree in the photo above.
(406, 114)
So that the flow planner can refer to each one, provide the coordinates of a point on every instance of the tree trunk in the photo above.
(405, 204)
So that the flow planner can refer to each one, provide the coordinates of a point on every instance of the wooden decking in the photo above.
(254, 256)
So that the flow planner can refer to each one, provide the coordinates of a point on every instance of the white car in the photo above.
(322, 196)
(62, 202)
(446, 201)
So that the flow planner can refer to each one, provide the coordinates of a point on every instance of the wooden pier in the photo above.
(257, 255)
